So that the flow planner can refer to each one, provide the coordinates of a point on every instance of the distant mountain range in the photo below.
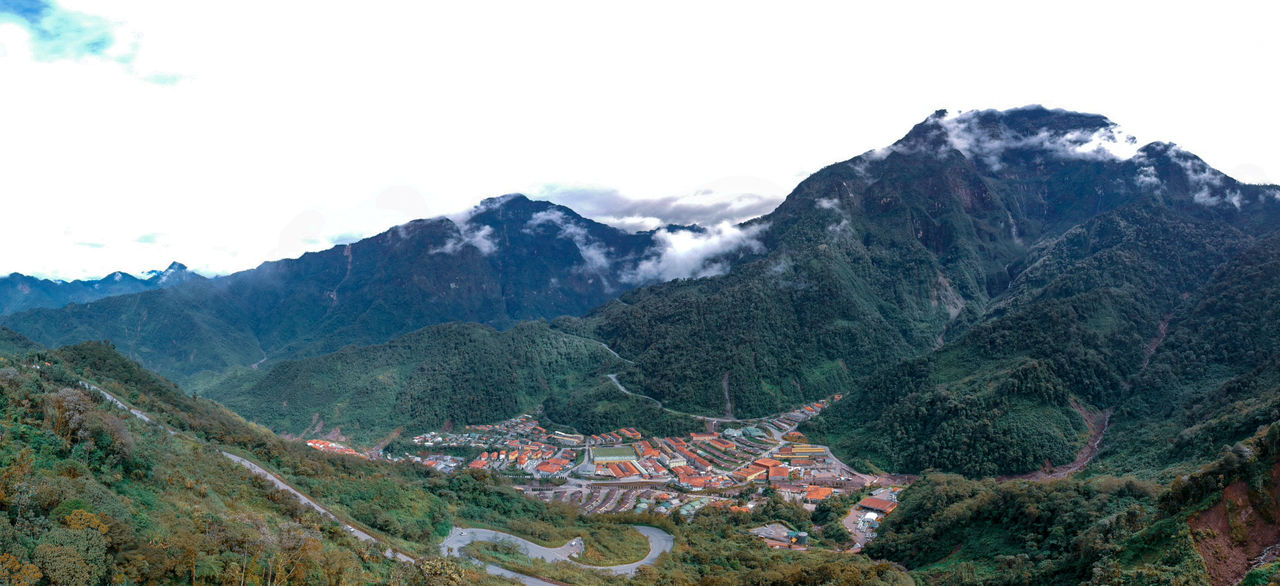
(1072, 337)
(20, 292)
(509, 259)
(974, 288)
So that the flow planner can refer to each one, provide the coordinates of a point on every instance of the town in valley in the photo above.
(730, 467)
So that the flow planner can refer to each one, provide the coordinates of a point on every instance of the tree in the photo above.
(17, 572)
(836, 533)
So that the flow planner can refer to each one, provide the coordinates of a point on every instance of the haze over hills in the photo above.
(21, 292)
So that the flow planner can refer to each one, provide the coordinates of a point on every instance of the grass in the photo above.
(606, 546)
(606, 543)
(510, 557)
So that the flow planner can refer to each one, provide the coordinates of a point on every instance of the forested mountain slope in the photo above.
(509, 259)
(974, 288)
(91, 494)
(898, 251)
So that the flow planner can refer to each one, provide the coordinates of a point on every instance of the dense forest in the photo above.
(455, 374)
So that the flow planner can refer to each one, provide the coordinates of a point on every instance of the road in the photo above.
(659, 542)
(262, 472)
(614, 378)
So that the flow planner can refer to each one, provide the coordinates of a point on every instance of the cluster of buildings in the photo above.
(483, 436)
(329, 447)
(440, 463)
(534, 458)
(866, 516)
(788, 421)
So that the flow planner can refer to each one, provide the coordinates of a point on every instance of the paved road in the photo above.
(659, 542)
(260, 471)
(614, 378)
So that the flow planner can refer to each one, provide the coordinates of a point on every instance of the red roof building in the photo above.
(879, 505)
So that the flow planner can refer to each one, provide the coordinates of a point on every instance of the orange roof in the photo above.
(548, 468)
(767, 462)
(778, 472)
(877, 504)
(818, 493)
(477, 464)
(559, 461)
(749, 473)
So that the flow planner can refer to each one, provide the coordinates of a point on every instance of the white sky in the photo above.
(293, 124)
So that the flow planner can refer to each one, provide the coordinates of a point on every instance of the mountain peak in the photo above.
(986, 136)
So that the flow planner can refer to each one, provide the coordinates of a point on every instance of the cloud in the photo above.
(1147, 176)
(595, 255)
(683, 254)
(57, 33)
(985, 136)
(705, 208)
(478, 237)
(1203, 180)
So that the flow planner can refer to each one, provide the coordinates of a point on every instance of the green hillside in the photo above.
(14, 344)
(91, 495)
(1073, 330)
(452, 374)
(894, 253)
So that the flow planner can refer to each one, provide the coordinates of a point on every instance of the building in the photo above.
(568, 439)
(750, 473)
(817, 494)
(877, 505)
(618, 454)
(754, 432)
(723, 446)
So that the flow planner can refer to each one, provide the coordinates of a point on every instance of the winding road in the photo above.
(614, 378)
(262, 472)
(659, 542)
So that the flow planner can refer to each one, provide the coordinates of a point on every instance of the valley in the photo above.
(1004, 349)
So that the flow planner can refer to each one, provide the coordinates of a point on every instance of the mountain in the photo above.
(507, 260)
(980, 290)
(20, 292)
(93, 494)
(15, 344)
(897, 251)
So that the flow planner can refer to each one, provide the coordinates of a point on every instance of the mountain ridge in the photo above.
(20, 292)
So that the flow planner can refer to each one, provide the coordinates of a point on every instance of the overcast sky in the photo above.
(223, 134)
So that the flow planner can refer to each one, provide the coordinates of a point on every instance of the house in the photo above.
(749, 473)
(878, 505)
(767, 463)
(723, 446)
(779, 474)
(570, 439)
(818, 493)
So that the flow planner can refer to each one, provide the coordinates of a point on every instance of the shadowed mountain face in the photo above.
(509, 259)
(21, 292)
(903, 249)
